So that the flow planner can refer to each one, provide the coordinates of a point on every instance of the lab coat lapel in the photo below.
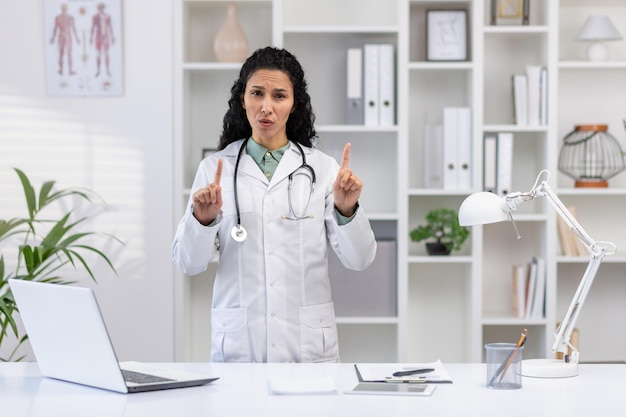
(290, 161)
(247, 166)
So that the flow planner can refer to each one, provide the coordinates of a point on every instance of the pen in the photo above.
(413, 372)
(505, 366)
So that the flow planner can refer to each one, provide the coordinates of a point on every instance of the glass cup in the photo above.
(504, 365)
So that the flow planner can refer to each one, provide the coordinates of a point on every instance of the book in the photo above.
(531, 283)
(579, 247)
(537, 310)
(565, 238)
(519, 290)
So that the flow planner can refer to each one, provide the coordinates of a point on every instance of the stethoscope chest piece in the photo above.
(238, 233)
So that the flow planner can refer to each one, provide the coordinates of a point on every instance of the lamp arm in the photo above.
(597, 252)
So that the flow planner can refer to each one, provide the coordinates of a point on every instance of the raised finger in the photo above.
(218, 172)
(345, 160)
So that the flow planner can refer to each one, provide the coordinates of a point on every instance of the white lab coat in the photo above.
(272, 296)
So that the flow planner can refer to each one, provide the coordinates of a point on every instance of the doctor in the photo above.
(272, 206)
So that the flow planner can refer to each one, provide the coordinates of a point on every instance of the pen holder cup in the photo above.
(504, 365)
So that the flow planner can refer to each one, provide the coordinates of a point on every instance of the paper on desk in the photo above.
(308, 386)
(383, 372)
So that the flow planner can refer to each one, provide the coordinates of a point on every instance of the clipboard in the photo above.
(383, 373)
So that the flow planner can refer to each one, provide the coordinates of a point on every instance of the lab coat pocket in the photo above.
(230, 335)
(318, 333)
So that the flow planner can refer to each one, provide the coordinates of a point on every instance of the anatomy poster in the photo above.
(83, 44)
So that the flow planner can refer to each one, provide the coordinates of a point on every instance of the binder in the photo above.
(433, 157)
(533, 75)
(370, 93)
(490, 160)
(464, 155)
(505, 163)
(386, 86)
(354, 87)
(450, 149)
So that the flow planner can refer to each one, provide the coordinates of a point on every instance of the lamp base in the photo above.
(591, 184)
(597, 51)
(548, 368)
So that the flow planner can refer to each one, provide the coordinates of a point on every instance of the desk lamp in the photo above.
(485, 207)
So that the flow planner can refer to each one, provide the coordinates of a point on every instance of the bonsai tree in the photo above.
(43, 247)
(443, 230)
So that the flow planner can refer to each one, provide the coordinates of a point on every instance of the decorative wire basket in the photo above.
(591, 156)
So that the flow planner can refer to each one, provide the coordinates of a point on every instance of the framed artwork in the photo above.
(509, 12)
(83, 47)
(446, 34)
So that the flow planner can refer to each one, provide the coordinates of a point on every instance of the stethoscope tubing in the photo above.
(238, 232)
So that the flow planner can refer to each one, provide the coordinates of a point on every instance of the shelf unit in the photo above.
(447, 308)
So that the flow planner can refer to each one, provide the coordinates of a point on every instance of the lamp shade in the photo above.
(598, 27)
(482, 208)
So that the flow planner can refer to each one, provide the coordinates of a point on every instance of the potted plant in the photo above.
(443, 229)
(43, 247)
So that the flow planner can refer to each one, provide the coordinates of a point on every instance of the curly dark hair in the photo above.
(300, 125)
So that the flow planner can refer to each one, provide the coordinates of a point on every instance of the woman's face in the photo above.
(269, 100)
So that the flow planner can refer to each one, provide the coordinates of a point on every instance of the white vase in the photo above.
(231, 43)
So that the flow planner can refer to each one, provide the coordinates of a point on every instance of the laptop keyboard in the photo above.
(139, 378)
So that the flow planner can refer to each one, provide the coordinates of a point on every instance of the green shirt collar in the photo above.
(257, 151)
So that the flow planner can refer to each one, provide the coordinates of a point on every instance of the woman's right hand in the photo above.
(207, 201)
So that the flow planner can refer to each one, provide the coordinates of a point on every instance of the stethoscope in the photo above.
(238, 232)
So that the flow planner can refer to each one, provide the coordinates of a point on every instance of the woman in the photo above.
(272, 205)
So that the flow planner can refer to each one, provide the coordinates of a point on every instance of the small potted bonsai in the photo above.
(443, 230)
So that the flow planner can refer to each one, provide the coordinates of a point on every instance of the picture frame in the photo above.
(509, 12)
(446, 35)
(83, 47)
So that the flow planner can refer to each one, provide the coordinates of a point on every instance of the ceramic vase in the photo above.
(231, 43)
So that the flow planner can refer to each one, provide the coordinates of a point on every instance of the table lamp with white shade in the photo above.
(596, 30)
(485, 207)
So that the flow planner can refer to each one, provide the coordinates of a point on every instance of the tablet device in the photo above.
(373, 388)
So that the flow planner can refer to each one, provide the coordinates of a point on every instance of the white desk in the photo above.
(242, 390)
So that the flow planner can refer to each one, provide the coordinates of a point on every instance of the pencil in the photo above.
(520, 343)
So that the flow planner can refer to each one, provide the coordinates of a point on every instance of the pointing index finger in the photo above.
(218, 172)
(345, 160)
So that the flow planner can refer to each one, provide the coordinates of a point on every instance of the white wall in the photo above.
(121, 147)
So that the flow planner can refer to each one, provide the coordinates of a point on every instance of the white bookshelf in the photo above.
(447, 308)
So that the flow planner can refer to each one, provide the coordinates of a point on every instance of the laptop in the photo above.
(70, 341)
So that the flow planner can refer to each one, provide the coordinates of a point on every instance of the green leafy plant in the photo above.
(442, 227)
(44, 246)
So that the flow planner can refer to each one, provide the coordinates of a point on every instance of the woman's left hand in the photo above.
(347, 187)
